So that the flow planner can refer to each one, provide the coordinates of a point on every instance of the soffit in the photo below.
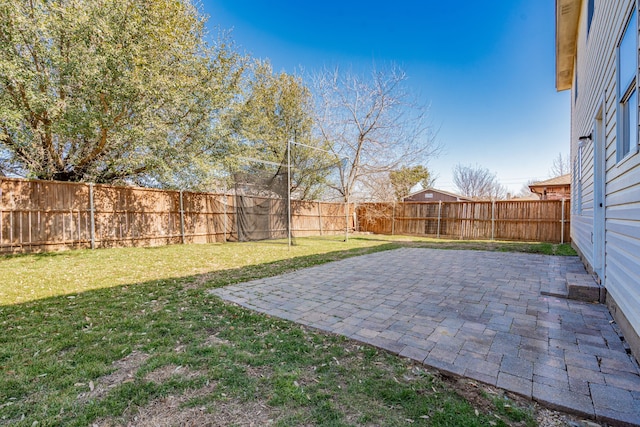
(567, 18)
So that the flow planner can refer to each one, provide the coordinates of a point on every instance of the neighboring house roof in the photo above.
(553, 189)
(553, 182)
(435, 190)
(567, 18)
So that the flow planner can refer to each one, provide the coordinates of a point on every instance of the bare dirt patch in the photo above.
(126, 369)
(199, 281)
(214, 340)
(174, 411)
(259, 371)
(179, 410)
(164, 373)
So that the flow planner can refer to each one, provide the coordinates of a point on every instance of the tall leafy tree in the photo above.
(276, 109)
(109, 90)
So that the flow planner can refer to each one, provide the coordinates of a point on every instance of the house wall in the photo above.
(557, 192)
(596, 68)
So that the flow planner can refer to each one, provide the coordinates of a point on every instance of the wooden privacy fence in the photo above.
(540, 221)
(49, 215)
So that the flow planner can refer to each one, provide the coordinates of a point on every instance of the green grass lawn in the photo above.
(117, 336)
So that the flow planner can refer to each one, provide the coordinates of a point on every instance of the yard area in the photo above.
(131, 336)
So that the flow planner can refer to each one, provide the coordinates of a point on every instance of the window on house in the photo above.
(577, 173)
(627, 89)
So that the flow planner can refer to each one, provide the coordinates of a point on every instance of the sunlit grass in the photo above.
(29, 277)
(67, 317)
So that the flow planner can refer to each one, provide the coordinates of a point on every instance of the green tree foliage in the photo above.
(404, 178)
(276, 109)
(110, 90)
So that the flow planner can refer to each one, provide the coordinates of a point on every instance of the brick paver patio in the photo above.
(472, 313)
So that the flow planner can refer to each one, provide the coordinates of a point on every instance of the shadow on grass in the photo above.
(51, 349)
(55, 352)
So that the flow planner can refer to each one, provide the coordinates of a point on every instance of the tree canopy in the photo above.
(109, 90)
(277, 109)
(478, 182)
(406, 177)
(131, 91)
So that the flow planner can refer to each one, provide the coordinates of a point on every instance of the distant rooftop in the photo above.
(435, 190)
(557, 188)
(559, 180)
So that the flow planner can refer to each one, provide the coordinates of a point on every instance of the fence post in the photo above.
(393, 220)
(92, 216)
(181, 218)
(439, 216)
(346, 217)
(237, 214)
(562, 225)
(11, 227)
(225, 200)
(493, 219)
(320, 216)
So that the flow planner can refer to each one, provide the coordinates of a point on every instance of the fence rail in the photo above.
(541, 221)
(49, 215)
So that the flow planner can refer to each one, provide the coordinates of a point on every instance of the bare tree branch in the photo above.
(374, 121)
(478, 183)
(560, 166)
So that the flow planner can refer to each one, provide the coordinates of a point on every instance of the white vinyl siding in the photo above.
(590, 10)
(598, 65)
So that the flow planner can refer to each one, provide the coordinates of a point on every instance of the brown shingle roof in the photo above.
(559, 180)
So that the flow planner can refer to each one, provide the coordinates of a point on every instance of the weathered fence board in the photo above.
(48, 215)
(540, 221)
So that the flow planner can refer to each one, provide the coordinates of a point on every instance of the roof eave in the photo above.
(567, 18)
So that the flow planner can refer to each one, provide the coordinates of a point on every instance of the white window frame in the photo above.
(627, 125)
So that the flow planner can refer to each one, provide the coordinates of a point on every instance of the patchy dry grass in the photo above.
(480, 245)
(131, 337)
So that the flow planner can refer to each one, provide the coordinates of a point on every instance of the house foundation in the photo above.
(631, 337)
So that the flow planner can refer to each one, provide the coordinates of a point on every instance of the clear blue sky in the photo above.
(486, 67)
